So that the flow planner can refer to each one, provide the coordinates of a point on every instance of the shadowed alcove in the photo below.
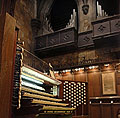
(60, 13)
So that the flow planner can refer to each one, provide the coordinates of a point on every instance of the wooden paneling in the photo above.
(41, 43)
(94, 84)
(68, 76)
(101, 28)
(95, 111)
(82, 77)
(67, 36)
(106, 26)
(55, 39)
(85, 39)
(108, 106)
(115, 25)
(8, 55)
(115, 109)
(52, 44)
(76, 76)
(106, 111)
(4, 6)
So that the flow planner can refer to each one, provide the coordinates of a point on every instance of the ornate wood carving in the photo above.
(106, 26)
(115, 25)
(57, 40)
(41, 43)
(85, 39)
(53, 39)
(101, 28)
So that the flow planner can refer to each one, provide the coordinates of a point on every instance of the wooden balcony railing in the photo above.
(68, 40)
(56, 40)
(106, 27)
(85, 39)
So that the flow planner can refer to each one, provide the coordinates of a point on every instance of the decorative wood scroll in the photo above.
(108, 83)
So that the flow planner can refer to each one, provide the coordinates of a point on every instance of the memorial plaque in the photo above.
(108, 83)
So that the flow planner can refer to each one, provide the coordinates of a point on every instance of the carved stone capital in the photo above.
(35, 24)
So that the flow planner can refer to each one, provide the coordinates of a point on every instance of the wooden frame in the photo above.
(108, 83)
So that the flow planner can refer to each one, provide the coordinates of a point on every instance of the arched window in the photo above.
(62, 13)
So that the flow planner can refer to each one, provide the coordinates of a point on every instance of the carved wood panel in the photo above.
(115, 25)
(56, 39)
(41, 43)
(67, 36)
(53, 39)
(101, 29)
(85, 39)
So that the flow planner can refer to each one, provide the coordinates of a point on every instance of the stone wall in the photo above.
(24, 12)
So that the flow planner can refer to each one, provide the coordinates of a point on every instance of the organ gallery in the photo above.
(59, 59)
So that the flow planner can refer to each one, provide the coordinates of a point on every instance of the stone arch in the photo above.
(45, 8)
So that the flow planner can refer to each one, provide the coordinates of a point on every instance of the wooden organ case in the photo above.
(35, 94)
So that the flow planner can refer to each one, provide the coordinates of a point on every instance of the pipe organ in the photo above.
(100, 11)
(47, 27)
(73, 20)
(75, 93)
(34, 92)
(71, 23)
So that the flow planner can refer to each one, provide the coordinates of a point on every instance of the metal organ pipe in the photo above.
(72, 21)
(100, 12)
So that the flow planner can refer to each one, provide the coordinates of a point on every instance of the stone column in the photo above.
(35, 24)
